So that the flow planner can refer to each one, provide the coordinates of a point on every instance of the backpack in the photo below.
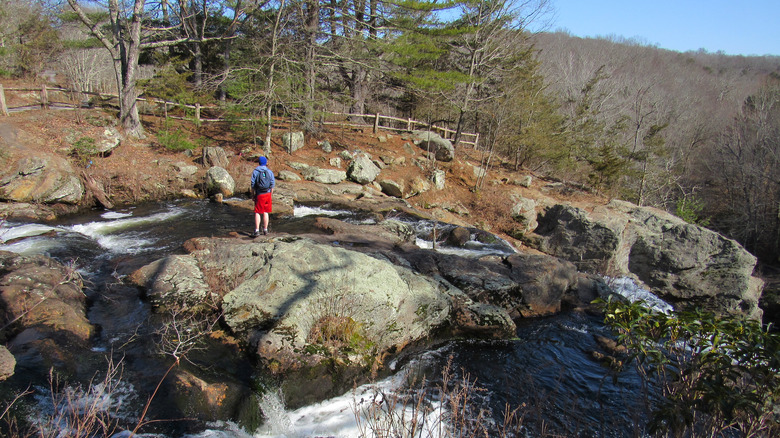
(263, 180)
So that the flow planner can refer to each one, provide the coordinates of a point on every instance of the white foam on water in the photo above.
(472, 249)
(8, 233)
(629, 289)
(31, 246)
(221, 429)
(303, 210)
(348, 415)
(54, 415)
(115, 215)
(114, 235)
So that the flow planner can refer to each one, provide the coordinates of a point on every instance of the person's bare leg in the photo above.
(257, 221)
(265, 222)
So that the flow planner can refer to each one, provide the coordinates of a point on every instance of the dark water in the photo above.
(547, 373)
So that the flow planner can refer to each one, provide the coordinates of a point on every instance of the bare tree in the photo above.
(129, 31)
(494, 34)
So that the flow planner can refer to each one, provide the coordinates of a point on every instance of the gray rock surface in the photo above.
(438, 179)
(325, 176)
(215, 157)
(286, 175)
(7, 363)
(218, 180)
(292, 141)
(110, 141)
(281, 295)
(28, 177)
(183, 170)
(435, 144)
(524, 213)
(362, 170)
(164, 278)
(392, 188)
(685, 264)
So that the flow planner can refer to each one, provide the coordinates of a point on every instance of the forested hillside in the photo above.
(694, 133)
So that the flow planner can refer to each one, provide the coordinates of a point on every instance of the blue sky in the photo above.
(736, 27)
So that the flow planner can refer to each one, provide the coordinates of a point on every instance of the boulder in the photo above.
(7, 363)
(362, 170)
(110, 141)
(524, 285)
(525, 181)
(418, 186)
(687, 265)
(458, 236)
(300, 303)
(30, 177)
(435, 144)
(183, 170)
(438, 179)
(286, 175)
(392, 188)
(524, 213)
(292, 141)
(165, 277)
(45, 301)
(218, 180)
(298, 166)
(283, 309)
(28, 212)
(215, 157)
(325, 176)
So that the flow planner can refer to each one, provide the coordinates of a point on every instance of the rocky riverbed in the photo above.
(335, 303)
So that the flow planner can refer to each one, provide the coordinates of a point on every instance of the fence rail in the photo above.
(44, 96)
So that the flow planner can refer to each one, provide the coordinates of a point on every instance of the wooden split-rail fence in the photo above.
(47, 97)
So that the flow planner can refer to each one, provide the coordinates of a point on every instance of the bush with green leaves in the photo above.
(83, 150)
(690, 209)
(174, 139)
(715, 374)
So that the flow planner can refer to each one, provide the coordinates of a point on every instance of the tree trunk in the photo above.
(358, 87)
(197, 55)
(312, 25)
(131, 50)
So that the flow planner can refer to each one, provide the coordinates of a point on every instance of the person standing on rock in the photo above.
(262, 185)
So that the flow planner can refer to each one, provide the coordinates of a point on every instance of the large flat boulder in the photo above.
(299, 303)
(687, 265)
(47, 307)
(30, 175)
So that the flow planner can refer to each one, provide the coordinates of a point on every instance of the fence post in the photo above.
(197, 113)
(376, 123)
(3, 107)
(476, 142)
(409, 124)
(44, 97)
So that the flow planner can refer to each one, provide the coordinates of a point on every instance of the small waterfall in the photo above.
(277, 420)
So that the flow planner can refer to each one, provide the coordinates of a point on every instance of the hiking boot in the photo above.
(265, 231)
(255, 233)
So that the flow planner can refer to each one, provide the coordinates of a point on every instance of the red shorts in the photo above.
(263, 203)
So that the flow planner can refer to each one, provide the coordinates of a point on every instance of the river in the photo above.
(546, 373)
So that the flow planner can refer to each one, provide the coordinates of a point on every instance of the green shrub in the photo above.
(689, 209)
(83, 150)
(174, 140)
(714, 373)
